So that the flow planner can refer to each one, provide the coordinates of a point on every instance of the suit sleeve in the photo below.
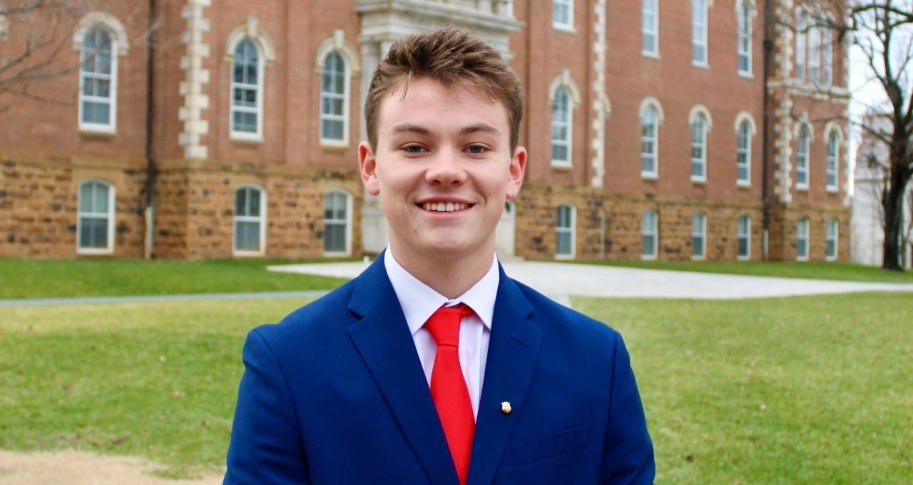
(628, 455)
(266, 446)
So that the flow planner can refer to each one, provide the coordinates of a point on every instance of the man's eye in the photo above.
(413, 149)
(476, 149)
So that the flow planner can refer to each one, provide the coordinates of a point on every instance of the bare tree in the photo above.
(882, 30)
(34, 34)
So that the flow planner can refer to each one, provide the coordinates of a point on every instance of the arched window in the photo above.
(699, 32)
(565, 229)
(745, 12)
(801, 43)
(743, 154)
(649, 234)
(699, 148)
(802, 149)
(833, 160)
(802, 239)
(832, 227)
(698, 235)
(649, 141)
(814, 54)
(744, 238)
(334, 100)
(98, 81)
(250, 220)
(95, 220)
(247, 91)
(650, 28)
(561, 128)
(337, 223)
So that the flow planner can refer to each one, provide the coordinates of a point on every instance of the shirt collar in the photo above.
(419, 300)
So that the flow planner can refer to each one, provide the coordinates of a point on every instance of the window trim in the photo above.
(744, 120)
(745, 11)
(110, 216)
(111, 99)
(803, 151)
(830, 238)
(699, 113)
(570, 230)
(347, 222)
(832, 161)
(644, 31)
(743, 235)
(258, 110)
(801, 46)
(261, 219)
(648, 103)
(702, 234)
(802, 235)
(700, 19)
(559, 25)
(346, 97)
(567, 122)
(653, 232)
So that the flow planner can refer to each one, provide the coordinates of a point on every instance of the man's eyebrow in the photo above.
(480, 128)
(409, 128)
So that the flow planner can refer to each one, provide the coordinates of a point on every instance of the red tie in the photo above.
(448, 388)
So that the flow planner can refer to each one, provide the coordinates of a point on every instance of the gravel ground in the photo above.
(77, 468)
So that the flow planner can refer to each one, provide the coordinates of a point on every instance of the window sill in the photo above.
(649, 176)
(743, 185)
(699, 180)
(95, 130)
(698, 258)
(246, 138)
(832, 190)
(803, 188)
(743, 258)
(94, 251)
(247, 254)
(567, 29)
(335, 145)
(701, 65)
(651, 55)
(746, 75)
(562, 165)
(647, 258)
(564, 257)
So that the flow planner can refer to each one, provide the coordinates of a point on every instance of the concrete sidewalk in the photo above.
(558, 280)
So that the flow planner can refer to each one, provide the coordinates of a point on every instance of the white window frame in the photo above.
(745, 12)
(801, 44)
(743, 234)
(563, 15)
(698, 233)
(699, 26)
(743, 153)
(326, 96)
(699, 128)
(832, 163)
(259, 219)
(649, 28)
(108, 215)
(93, 76)
(802, 239)
(803, 147)
(649, 228)
(831, 250)
(649, 106)
(346, 223)
(569, 231)
(814, 55)
(257, 109)
(827, 57)
(562, 118)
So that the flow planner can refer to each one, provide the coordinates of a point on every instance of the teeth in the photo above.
(443, 206)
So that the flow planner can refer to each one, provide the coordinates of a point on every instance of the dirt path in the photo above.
(77, 468)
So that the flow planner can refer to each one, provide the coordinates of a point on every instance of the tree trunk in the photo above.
(892, 203)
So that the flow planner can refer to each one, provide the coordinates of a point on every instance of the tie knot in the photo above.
(444, 324)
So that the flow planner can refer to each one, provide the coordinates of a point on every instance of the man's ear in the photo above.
(367, 164)
(515, 172)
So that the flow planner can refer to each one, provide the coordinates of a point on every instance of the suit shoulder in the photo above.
(313, 318)
(552, 313)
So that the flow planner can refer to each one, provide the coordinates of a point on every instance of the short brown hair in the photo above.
(451, 56)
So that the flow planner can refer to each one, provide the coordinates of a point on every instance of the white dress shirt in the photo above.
(419, 302)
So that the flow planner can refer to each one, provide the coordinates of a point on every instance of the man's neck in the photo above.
(450, 277)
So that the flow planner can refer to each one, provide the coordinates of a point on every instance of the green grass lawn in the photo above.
(73, 278)
(787, 390)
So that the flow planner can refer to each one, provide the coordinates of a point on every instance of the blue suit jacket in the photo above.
(335, 394)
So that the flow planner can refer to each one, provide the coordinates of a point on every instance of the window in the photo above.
(699, 148)
(814, 54)
(98, 81)
(698, 235)
(95, 221)
(827, 57)
(649, 123)
(563, 14)
(649, 235)
(743, 154)
(561, 128)
(802, 239)
(744, 238)
(650, 28)
(802, 157)
(744, 48)
(334, 100)
(833, 151)
(831, 253)
(250, 203)
(565, 228)
(337, 227)
(246, 92)
(801, 41)
(699, 32)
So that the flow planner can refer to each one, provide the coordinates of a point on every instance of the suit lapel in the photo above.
(382, 338)
(512, 354)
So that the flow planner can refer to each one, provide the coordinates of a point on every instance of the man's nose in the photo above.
(446, 168)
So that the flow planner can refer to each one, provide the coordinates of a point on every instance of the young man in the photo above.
(434, 367)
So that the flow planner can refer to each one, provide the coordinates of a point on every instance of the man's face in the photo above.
(443, 169)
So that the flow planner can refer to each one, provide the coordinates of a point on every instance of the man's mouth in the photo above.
(444, 206)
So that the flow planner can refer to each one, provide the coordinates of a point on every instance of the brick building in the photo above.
(654, 130)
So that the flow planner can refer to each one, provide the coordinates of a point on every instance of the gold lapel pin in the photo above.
(505, 407)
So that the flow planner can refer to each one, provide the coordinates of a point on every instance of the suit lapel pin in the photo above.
(505, 407)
